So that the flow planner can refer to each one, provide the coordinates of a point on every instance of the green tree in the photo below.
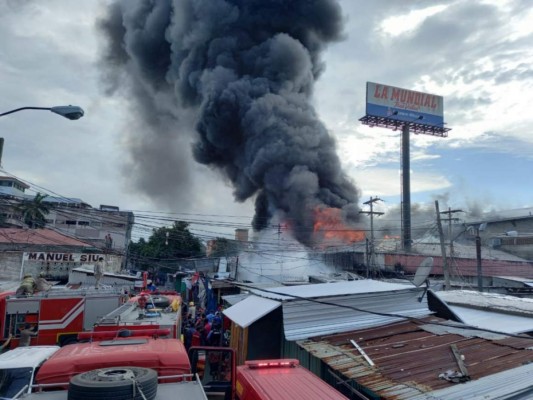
(166, 243)
(34, 211)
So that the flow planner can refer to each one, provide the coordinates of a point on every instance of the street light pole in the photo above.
(69, 112)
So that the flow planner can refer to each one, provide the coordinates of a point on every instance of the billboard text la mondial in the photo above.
(404, 105)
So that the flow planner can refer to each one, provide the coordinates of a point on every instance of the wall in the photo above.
(12, 265)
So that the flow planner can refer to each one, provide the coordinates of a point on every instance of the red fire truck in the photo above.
(58, 314)
(283, 379)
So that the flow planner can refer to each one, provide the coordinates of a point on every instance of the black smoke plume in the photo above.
(245, 69)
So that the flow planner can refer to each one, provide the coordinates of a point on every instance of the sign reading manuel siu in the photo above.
(62, 257)
(404, 105)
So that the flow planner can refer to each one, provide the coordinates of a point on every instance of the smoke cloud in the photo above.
(243, 71)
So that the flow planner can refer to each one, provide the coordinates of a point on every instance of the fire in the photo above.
(391, 237)
(330, 226)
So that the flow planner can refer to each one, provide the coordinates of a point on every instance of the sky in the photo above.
(476, 54)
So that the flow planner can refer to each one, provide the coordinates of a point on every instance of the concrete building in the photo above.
(105, 227)
(32, 251)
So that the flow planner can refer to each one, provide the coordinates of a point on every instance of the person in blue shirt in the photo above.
(151, 287)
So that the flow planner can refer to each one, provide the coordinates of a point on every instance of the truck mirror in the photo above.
(215, 367)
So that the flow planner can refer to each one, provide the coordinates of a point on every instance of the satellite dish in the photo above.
(423, 271)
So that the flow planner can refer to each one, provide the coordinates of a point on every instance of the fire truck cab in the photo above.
(112, 369)
(166, 356)
(283, 379)
(58, 314)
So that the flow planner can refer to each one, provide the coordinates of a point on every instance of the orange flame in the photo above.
(329, 225)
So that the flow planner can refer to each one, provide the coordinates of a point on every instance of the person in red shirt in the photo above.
(141, 301)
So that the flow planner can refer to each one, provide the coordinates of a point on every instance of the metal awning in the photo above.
(249, 310)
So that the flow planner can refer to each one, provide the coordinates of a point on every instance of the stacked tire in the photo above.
(116, 383)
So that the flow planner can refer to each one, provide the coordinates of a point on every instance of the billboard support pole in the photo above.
(406, 188)
(421, 113)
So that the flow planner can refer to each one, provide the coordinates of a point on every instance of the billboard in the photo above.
(404, 105)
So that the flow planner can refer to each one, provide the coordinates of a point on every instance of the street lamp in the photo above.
(70, 112)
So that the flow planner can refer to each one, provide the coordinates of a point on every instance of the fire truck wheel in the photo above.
(116, 383)
(160, 301)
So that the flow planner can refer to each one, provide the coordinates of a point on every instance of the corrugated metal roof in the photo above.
(316, 314)
(491, 311)
(408, 359)
(233, 299)
(516, 383)
(249, 310)
(329, 289)
(503, 322)
(525, 281)
(304, 319)
(487, 301)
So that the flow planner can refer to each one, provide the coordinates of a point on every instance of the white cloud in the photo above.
(387, 182)
(400, 24)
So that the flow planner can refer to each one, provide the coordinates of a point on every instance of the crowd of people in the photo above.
(207, 328)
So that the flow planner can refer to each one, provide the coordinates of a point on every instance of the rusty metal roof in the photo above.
(408, 358)
(44, 236)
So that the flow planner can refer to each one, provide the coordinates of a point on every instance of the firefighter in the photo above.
(26, 334)
(42, 285)
(98, 271)
(27, 286)
(141, 301)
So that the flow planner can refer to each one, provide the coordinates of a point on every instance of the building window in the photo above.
(83, 223)
(114, 225)
(70, 222)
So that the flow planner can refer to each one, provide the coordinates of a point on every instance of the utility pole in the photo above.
(1, 149)
(372, 213)
(279, 247)
(450, 219)
(478, 260)
(406, 189)
(442, 249)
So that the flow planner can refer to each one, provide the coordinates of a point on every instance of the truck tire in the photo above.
(159, 301)
(115, 383)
